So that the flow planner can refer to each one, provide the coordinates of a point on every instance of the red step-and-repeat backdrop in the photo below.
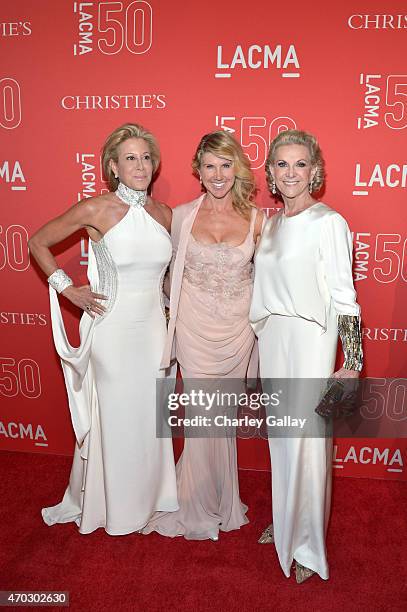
(72, 71)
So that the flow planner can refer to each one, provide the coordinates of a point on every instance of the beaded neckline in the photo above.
(131, 196)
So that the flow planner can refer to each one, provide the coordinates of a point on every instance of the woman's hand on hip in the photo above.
(86, 299)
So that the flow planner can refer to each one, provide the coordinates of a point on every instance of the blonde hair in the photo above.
(222, 144)
(120, 134)
(297, 137)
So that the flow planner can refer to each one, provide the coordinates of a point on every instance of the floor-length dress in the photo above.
(122, 473)
(214, 340)
(303, 280)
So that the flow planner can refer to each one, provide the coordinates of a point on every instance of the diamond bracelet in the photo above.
(59, 280)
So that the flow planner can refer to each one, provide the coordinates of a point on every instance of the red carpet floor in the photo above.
(366, 547)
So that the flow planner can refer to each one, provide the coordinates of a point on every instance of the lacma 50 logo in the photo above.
(110, 27)
(380, 257)
(384, 101)
(255, 133)
(257, 57)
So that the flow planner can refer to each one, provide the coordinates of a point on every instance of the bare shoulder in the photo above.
(167, 214)
(96, 204)
(165, 209)
(163, 214)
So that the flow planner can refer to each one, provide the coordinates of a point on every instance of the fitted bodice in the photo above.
(220, 276)
(130, 261)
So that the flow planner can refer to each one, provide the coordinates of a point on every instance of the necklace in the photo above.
(131, 196)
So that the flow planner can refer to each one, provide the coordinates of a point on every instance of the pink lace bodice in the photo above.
(220, 276)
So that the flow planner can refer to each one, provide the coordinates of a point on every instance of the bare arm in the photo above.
(79, 216)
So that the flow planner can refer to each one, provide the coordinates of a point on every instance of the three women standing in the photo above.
(303, 295)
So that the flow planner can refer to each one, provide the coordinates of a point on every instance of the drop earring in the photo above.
(310, 186)
(273, 187)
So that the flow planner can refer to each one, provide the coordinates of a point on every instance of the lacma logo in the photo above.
(11, 174)
(23, 431)
(391, 458)
(392, 176)
(257, 57)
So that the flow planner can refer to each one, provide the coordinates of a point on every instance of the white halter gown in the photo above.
(122, 473)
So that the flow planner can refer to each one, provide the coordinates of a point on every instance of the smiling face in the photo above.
(292, 170)
(217, 174)
(134, 165)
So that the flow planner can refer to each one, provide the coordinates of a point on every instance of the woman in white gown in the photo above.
(122, 473)
(303, 295)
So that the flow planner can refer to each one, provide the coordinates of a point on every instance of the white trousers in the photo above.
(296, 349)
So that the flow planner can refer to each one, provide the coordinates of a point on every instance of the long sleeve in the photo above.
(336, 251)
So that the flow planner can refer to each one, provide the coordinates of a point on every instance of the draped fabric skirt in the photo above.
(122, 472)
(209, 350)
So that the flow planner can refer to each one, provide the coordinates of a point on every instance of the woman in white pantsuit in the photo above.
(303, 297)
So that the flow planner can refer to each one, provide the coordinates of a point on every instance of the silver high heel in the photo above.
(302, 573)
(267, 537)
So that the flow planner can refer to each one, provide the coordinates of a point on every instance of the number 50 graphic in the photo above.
(132, 27)
(256, 134)
(396, 97)
(10, 103)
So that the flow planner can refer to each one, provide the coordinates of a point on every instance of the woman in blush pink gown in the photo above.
(209, 331)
